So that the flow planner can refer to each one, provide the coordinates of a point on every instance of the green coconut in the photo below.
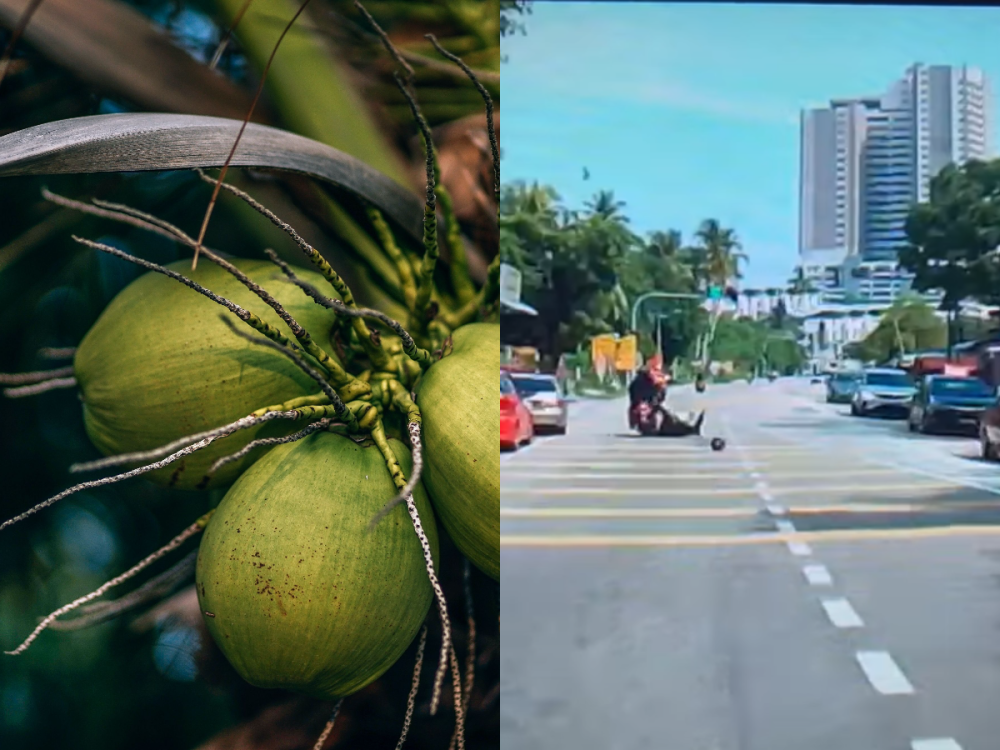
(160, 364)
(457, 397)
(295, 589)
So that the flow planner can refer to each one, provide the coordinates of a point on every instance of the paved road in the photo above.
(825, 583)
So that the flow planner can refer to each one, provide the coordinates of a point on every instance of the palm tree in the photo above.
(799, 284)
(603, 204)
(665, 245)
(666, 251)
(541, 202)
(721, 251)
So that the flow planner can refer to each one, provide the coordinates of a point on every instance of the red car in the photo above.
(516, 425)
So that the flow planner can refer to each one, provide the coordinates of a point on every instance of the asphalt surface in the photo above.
(824, 583)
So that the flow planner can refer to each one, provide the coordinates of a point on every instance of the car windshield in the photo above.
(531, 386)
(844, 377)
(960, 387)
(506, 386)
(890, 379)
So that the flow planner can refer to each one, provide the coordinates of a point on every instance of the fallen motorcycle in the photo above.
(650, 419)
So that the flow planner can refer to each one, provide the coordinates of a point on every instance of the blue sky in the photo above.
(690, 111)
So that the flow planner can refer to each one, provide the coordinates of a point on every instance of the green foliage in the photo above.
(511, 12)
(571, 261)
(583, 269)
(909, 325)
(718, 255)
(799, 284)
(953, 236)
(751, 344)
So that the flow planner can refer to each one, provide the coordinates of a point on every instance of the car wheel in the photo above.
(989, 452)
(909, 424)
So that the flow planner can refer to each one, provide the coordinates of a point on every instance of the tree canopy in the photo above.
(953, 236)
(909, 325)
(584, 269)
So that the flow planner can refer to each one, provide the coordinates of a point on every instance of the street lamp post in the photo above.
(657, 295)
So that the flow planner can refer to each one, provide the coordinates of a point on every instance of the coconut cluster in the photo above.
(340, 435)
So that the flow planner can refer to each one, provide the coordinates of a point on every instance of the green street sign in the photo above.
(715, 292)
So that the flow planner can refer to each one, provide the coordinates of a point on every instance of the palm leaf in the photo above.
(150, 142)
(118, 51)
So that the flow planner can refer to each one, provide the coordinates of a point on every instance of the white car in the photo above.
(883, 390)
(545, 400)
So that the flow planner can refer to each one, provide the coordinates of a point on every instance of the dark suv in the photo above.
(945, 402)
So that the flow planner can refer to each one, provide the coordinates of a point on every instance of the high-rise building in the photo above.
(865, 161)
(830, 181)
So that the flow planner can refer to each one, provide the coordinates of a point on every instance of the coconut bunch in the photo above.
(341, 435)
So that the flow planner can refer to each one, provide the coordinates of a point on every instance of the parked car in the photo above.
(883, 390)
(544, 399)
(946, 402)
(841, 386)
(516, 425)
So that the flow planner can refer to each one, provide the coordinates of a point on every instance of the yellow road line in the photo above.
(617, 492)
(627, 512)
(718, 540)
(906, 484)
(546, 512)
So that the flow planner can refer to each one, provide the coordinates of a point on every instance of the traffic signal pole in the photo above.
(656, 295)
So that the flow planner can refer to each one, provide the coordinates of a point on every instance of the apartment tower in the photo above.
(865, 161)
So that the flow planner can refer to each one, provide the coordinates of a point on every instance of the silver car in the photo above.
(883, 390)
(544, 399)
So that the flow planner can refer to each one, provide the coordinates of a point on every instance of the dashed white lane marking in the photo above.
(842, 614)
(800, 549)
(776, 510)
(817, 575)
(785, 527)
(883, 673)
(944, 743)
